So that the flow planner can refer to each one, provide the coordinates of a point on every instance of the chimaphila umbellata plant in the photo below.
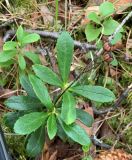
(14, 52)
(39, 113)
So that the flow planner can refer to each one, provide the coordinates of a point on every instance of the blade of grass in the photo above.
(56, 12)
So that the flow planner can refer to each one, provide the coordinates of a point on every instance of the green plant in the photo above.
(14, 51)
(39, 112)
(103, 23)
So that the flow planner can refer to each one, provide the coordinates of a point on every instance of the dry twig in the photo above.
(99, 143)
(7, 23)
(53, 35)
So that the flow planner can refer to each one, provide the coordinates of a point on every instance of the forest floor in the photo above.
(113, 128)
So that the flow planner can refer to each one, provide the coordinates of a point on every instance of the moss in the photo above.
(110, 141)
(128, 133)
(114, 122)
(15, 143)
(127, 118)
(128, 136)
(126, 77)
(27, 5)
(16, 147)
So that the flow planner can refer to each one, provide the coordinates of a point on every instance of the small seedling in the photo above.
(39, 113)
(102, 23)
(14, 51)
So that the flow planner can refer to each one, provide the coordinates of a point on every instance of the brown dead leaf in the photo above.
(121, 5)
(30, 48)
(86, 107)
(59, 150)
(105, 131)
(46, 14)
(94, 2)
(114, 72)
(128, 54)
(87, 129)
(53, 156)
(129, 44)
(92, 9)
(45, 154)
(35, 16)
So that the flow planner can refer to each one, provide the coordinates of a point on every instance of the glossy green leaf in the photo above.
(21, 62)
(40, 90)
(47, 75)
(35, 142)
(7, 63)
(95, 93)
(106, 9)
(65, 48)
(94, 17)
(61, 134)
(24, 80)
(76, 133)
(10, 45)
(110, 26)
(68, 111)
(91, 32)
(51, 126)
(29, 122)
(11, 117)
(23, 103)
(34, 57)
(84, 117)
(6, 56)
(30, 38)
(20, 33)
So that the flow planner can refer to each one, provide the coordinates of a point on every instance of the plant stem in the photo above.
(56, 13)
(65, 14)
(86, 69)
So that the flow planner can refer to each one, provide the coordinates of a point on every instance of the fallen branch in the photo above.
(116, 104)
(53, 35)
(98, 142)
(7, 23)
(120, 26)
